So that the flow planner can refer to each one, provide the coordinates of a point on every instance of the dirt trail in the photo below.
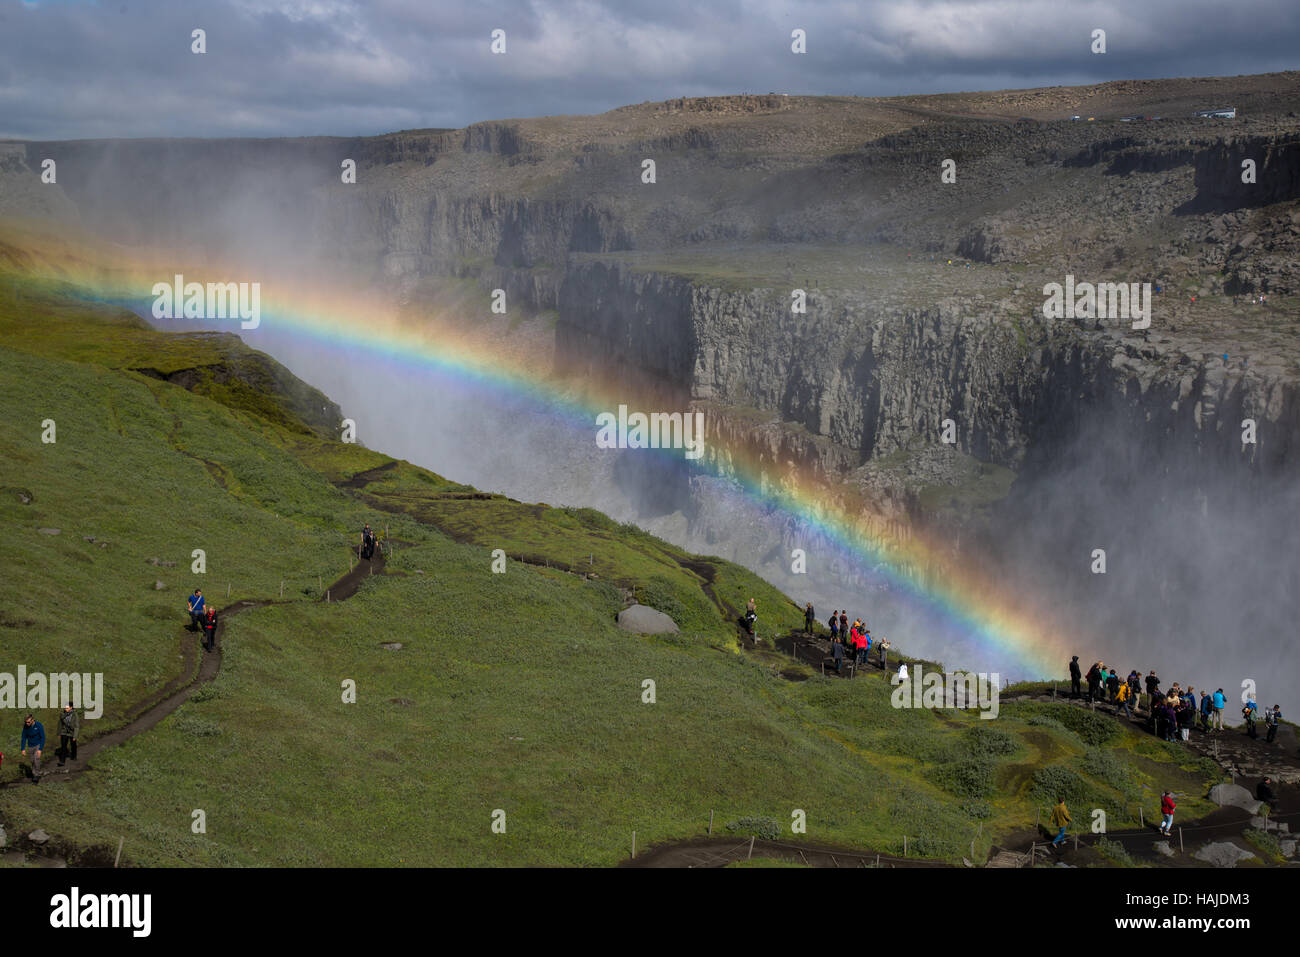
(180, 689)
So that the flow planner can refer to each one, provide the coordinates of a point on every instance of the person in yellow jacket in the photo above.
(1122, 698)
(1060, 818)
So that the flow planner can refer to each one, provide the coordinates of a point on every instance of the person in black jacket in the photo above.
(210, 628)
(69, 728)
(809, 616)
(1076, 676)
(367, 542)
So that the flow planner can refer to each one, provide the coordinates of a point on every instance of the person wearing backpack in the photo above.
(1135, 690)
(1248, 712)
(1112, 686)
(835, 625)
(808, 618)
(1167, 808)
(1271, 720)
(1207, 709)
(367, 542)
(837, 652)
(1094, 681)
(1122, 697)
(1076, 677)
(195, 606)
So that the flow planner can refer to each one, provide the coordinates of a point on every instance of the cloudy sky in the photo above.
(75, 68)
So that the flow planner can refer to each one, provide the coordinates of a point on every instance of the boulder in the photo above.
(38, 837)
(1288, 847)
(159, 585)
(645, 620)
(1222, 854)
(1162, 847)
(50, 531)
(1234, 795)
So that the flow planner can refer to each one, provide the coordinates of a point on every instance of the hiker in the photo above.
(210, 628)
(1167, 807)
(1112, 686)
(844, 625)
(1272, 719)
(1186, 715)
(33, 737)
(864, 645)
(1076, 676)
(1122, 697)
(1207, 708)
(751, 606)
(1094, 681)
(1171, 721)
(1264, 792)
(368, 542)
(835, 625)
(902, 672)
(1248, 712)
(882, 647)
(196, 608)
(837, 651)
(1220, 702)
(69, 727)
(1153, 685)
(1135, 689)
(1060, 818)
(808, 618)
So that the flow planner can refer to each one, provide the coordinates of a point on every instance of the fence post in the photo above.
(751, 847)
(327, 595)
(281, 587)
(1180, 839)
(634, 843)
(119, 850)
(1142, 818)
(905, 845)
(710, 820)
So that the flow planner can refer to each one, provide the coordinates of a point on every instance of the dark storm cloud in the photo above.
(298, 67)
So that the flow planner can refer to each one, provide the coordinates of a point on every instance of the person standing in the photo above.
(837, 652)
(1076, 677)
(883, 647)
(835, 625)
(1272, 719)
(1167, 808)
(1135, 690)
(1207, 709)
(844, 626)
(1112, 685)
(864, 645)
(34, 738)
(69, 727)
(1220, 702)
(1060, 819)
(1122, 699)
(368, 543)
(808, 618)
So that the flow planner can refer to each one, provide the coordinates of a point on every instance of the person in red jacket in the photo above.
(209, 622)
(1167, 807)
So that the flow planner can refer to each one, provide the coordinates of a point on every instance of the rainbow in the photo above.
(961, 601)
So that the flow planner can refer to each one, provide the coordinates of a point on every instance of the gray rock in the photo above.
(391, 645)
(1222, 854)
(645, 620)
(50, 531)
(1162, 847)
(159, 585)
(38, 837)
(1288, 848)
(1234, 795)
(4, 838)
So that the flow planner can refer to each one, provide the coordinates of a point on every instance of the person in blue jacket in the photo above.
(1220, 702)
(1207, 708)
(34, 738)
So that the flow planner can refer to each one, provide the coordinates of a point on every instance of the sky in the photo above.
(73, 69)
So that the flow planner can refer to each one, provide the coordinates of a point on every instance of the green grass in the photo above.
(512, 692)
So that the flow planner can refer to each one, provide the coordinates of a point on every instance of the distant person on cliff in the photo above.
(1264, 792)
(1153, 684)
(1112, 686)
(1135, 689)
(902, 672)
(837, 652)
(196, 608)
(1220, 702)
(1186, 715)
(864, 645)
(1167, 808)
(1122, 698)
(367, 542)
(210, 628)
(1076, 677)
(809, 616)
(69, 728)
(34, 738)
(1094, 681)
(1060, 819)
(1249, 712)
(1272, 719)
(844, 625)
(835, 625)
(883, 647)
(1207, 709)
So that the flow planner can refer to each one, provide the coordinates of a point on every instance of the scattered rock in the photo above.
(1263, 824)
(645, 620)
(401, 702)
(50, 531)
(1288, 847)
(38, 837)
(1223, 854)
(4, 838)
(159, 563)
(1234, 795)
(1162, 847)
(159, 585)
(391, 645)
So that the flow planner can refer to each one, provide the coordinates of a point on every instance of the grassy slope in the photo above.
(513, 691)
